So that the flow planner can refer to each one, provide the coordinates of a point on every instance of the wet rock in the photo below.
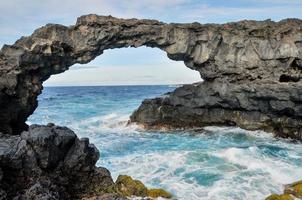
(292, 191)
(131, 187)
(279, 197)
(109, 196)
(155, 193)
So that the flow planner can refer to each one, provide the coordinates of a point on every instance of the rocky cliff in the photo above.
(271, 107)
(252, 79)
(252, 70)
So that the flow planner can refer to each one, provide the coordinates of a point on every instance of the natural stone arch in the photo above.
(236, 52)
(53, 48)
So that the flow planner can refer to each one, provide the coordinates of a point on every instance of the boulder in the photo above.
(50, 162)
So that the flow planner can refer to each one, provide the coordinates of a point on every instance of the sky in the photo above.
(133, 66)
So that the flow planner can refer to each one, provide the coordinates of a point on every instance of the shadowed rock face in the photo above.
(51, 162)
(266, 106)
(252, 70)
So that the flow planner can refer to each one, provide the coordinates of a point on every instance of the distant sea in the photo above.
(218, 163)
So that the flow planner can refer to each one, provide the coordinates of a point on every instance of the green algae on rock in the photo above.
(131, 187)
(294, 189)
(158, 192)
(279, 197)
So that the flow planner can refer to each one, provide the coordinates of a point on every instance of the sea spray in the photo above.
(211, 163)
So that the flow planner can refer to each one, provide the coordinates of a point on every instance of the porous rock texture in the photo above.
(251, 70)
(51, 163)
(271, 107)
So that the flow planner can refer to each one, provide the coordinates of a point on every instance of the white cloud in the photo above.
(172, 73)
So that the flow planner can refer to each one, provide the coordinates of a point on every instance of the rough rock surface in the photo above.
(245, 57)
(246, 53)
(267, 106)
(50, 162)
(292, 191)
(131, 187)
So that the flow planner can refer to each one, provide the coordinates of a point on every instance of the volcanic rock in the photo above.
(50, 162)
(234, 59)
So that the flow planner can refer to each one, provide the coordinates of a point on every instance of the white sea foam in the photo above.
(231, 129)
(159, 168)
(227, 164)
(268, 174)
(113, 122)
(253, 176)
(250, 174)
(245, 174)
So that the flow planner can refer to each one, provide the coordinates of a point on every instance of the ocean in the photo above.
(225, 163)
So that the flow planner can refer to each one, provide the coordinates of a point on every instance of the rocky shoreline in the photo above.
(261, 106)
(252, 74)
(252, 70)
(51, 162)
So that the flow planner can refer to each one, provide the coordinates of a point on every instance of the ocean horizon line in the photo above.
(121, 85)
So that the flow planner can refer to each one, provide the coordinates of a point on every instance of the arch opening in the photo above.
(144, 66)
(127, 66)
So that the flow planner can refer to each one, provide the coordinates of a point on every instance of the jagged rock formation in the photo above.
(252, 70)
(50, 162)
(271, 107)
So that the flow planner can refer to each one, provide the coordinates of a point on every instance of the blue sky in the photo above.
(133, 66)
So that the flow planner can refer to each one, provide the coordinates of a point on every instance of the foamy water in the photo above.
(217, 163)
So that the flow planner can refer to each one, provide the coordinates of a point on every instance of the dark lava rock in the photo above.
(266, 106)
(50, 162)
(245, 55)
(252, 74)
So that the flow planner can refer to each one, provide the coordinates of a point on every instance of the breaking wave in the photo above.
(224, 163)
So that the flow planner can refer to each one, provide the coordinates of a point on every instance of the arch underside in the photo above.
(252, 70)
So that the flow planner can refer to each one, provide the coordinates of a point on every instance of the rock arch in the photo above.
(234, 54)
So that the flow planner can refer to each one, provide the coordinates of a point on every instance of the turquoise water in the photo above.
(217, 163)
